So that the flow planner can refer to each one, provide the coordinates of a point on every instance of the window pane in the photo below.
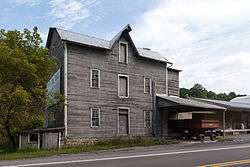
(147, 85)
(95, 78)
(147, 118)
(33, 137)
(123, 53)
(95, 117)
(123, 81)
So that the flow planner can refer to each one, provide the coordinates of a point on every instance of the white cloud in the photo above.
(68, 13)
(209, 40)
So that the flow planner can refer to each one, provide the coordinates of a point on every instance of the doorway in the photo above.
(123, 121)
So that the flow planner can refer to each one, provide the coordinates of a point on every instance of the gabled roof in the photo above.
(177, 101)
(91, 41)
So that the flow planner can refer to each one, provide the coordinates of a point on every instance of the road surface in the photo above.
(235, 153)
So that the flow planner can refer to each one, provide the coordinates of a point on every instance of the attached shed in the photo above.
(41, 138)
(175, 115)
(237, 113)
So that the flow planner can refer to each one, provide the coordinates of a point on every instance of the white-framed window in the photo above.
(147, 118)
(95, 117)
(123, 52)
(147, 85)
(123, 86)
(94, 78)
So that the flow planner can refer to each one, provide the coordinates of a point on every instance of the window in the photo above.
(123, 86)
(33, 137)
(123, 52)
(147, 85)
(95, 78)
(95, 117)
(147, 119)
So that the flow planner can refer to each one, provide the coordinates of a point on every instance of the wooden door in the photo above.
(123, 122)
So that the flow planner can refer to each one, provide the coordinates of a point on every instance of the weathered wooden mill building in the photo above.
(111, 88)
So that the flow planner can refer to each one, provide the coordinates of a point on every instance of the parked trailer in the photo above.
(201, 128)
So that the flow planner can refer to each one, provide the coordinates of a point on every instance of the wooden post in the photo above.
(38, 140)
(58, 142)
(154, 123)
(224, 123)
(20, 141)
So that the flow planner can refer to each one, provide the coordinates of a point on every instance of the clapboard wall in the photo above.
(81, 97)
(173, 82)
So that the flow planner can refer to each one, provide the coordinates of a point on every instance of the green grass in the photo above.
(106, 144)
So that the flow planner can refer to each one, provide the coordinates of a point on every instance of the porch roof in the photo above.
(186, 105)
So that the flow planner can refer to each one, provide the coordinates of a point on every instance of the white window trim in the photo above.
(99, 77)
(150, 85)
(118, 109)
(91, 113)
(122, 75)
(126, 43)
(144, 118)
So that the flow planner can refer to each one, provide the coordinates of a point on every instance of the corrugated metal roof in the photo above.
(82, 39)
(101, 43)
(190, 102)
(230, 105)
(144, 52)
(243, 99)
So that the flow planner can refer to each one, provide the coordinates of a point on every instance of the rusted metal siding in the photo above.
(81, 97)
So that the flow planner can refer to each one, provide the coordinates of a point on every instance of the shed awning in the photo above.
(186, 105)
(229, 105)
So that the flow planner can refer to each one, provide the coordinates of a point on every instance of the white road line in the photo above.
(132, 156)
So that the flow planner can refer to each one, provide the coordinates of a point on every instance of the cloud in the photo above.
(209, 40)
(68, 13)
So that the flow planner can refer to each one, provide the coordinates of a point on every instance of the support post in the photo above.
(20, 141)
(154, 112)
(38, 140)
(224, 123)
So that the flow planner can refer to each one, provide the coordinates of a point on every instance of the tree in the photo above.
(231, 95)
(198, 91)
(25, 68)
(211, 95)
(184, 92)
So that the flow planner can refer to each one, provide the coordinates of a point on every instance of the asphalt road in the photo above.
(235, 153)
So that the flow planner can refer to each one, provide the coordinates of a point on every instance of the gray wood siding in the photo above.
(173, 82)
(81, 97)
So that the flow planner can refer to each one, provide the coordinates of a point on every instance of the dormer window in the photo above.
(123, 52)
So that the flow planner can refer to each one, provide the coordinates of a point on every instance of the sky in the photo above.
(209, 40)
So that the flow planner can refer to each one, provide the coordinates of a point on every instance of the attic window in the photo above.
(123, 52)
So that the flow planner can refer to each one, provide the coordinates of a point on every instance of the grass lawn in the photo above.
(106, 144)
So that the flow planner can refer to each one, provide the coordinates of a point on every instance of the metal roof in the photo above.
(144, 52)
(243, 99)
(230, 105)
(189, 102)
(101, 43)
(82, 39)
